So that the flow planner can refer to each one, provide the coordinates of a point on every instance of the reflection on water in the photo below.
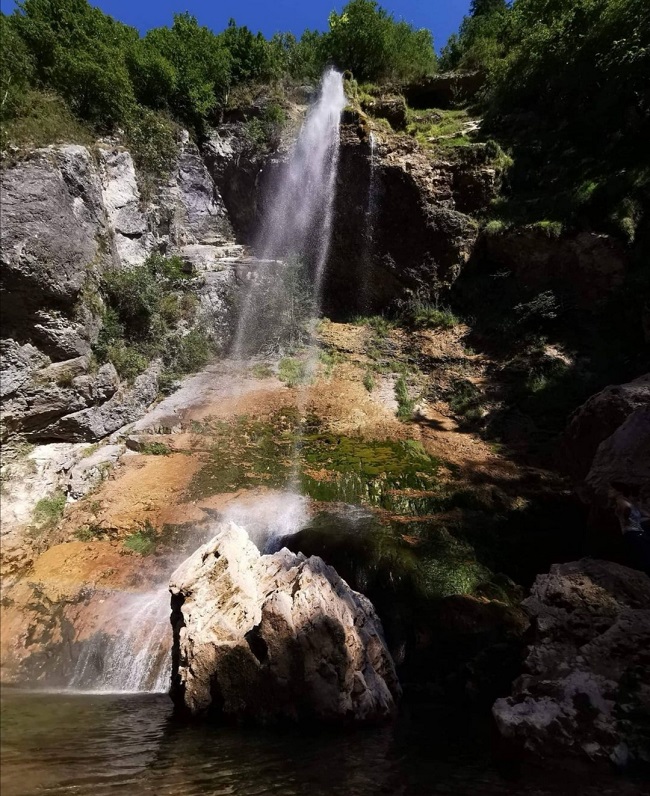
(81, 744)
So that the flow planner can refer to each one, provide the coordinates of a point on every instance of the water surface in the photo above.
(128, 744)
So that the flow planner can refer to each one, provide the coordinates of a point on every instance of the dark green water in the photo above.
(97, 745)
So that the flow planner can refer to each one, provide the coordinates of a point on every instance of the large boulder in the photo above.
(598, 419)
(275, 637)
(586, 687)
(622, 461)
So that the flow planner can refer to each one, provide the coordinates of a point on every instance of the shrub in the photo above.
(155, 449)
(464, 399)
(193, 351)
(88, 533)
(405, 404)
(151, 139)
(49, 510)
(127, 360)
(143, 541)
(369, 381)
(428, 316)
(292, 372)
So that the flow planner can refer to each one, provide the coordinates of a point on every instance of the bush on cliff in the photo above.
(149, 315)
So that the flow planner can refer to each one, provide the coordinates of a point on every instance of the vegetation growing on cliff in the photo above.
(148, 315)
(104, 73)
(566, 91)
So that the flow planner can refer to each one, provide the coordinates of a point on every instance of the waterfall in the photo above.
(371, 221)
(297, 221)
(134, 653)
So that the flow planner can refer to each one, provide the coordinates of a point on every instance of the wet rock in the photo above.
(205, 215)
(586, 687)
(236, 167)
(398, 225)
(275, 637)
(622, 461)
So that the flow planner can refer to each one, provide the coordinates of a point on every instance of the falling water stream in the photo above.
(297, 221)
(371, 223)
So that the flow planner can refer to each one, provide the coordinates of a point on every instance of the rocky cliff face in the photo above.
(402, 219)
(275, 637)
(69, 214)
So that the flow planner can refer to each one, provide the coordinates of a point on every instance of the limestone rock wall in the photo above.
(69, 213)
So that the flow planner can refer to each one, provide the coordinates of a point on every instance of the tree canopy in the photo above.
(105, 71)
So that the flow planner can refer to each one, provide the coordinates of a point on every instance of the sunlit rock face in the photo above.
(586, 687)
(69, 215)
(275, 637)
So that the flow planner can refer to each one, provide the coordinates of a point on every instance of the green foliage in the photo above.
(292, 372)
(262, 370)
(555, 73)
(146, 310)
(49, 510)
(40, 118)
(128, 361)
(369, 42)
(144, 541)
(265, 130)
(16, 68)
(420, 314)
(79, 52)
(151, 138)
(252, 57)
(190, 352)
(480, 42)
(155, 449)
(201, 64)
(465, 400)
(405, 404)
(88, 533)
(369, 381)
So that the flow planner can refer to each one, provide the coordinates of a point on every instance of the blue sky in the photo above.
(441, 16)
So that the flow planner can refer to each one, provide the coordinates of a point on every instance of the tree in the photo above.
(201, 63)
(365, 39)
(16, 67)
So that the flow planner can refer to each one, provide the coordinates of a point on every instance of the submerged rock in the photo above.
(275, 637)
(586, 689)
